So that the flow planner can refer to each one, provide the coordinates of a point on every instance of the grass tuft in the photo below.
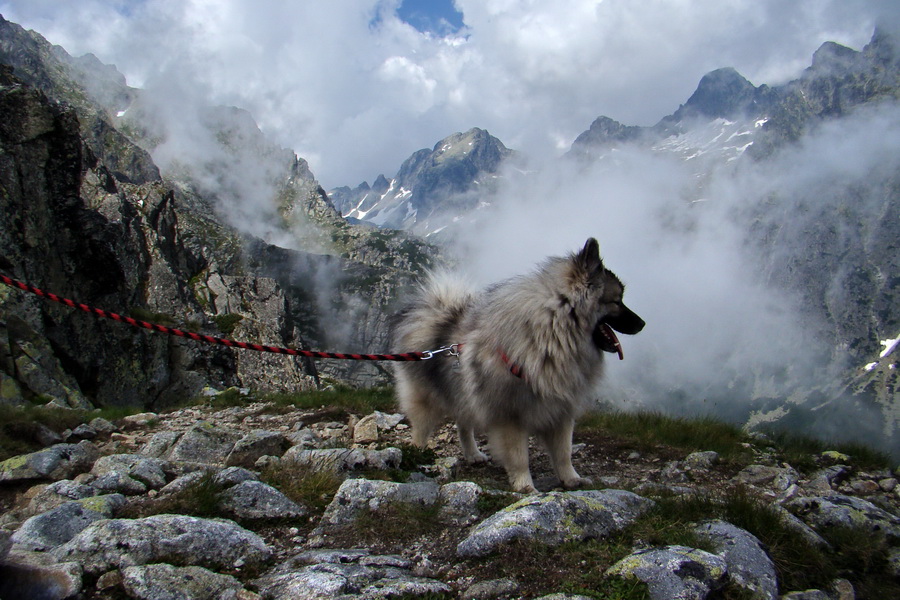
(306, 483)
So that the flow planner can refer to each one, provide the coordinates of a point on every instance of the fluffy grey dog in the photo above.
(530, 351)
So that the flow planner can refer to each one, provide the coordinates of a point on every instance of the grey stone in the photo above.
(344, 459)
(749, 566)
(57, 493)
(257, 500)
(56, 527)
(493, 588)
(825, 480)
(34, 575)
(387, 421)
(459, 502)
(233, 475)
(779, 478)
(163, 582)
(564, 597)
(140, 419)
(103, 426)
(114, 481)
(46, 436)
(674, 572)
(795, 524)
(257, 443)
(306, 438)
(554, 518)
(83, 432)
(203, 443)
(346, 573)
(62, 461)
(357, 495)
(823, 512)
(120, 543)
(160, 444)
(182, 483)
(149, 471)
(701, 460)
(366, 430)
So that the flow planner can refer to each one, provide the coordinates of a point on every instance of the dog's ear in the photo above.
(589, 257)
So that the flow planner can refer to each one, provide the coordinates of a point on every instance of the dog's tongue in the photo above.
(609, 333)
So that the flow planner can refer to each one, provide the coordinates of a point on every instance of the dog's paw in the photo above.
(478, 457)
(578, 482)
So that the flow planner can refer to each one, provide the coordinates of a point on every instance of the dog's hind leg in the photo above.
(421, 409)
(509, 444)
(558, 442)
(469, 446)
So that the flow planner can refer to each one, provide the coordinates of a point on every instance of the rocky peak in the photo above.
(721, 93)
(834, 58)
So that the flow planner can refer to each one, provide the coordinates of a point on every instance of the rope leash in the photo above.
(403, 357)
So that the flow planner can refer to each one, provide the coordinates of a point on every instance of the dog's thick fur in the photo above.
(530, 351)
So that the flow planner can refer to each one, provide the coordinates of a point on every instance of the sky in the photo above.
(356, 86)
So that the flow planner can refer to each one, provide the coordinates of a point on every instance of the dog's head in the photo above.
(608, 291)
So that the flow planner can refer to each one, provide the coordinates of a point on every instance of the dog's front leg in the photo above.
(558, 442)
(509, 444)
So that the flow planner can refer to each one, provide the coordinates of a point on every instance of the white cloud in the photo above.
(355, 90)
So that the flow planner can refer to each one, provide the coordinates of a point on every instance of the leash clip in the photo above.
(452, 350)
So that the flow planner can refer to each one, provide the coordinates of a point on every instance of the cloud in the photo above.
(355, 90)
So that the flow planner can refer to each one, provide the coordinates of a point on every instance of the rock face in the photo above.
(87, 215)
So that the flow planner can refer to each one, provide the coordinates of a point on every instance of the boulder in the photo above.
(59, 525)
(151, 472)
(749, 566)
(257, 500)
(160, 581)
(674, 572)
(62, 461)
(121, 543)
(255, 444)
(554, 518)
(36, 575)
(822, 512)
(344, 459)
(203, 443)
(357, 495)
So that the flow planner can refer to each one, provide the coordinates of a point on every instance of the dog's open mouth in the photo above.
(607, 340)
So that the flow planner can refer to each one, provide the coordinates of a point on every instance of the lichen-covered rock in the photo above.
(57, 493)
(823, 512)
(120, 543)
(366, 430)
(257, 500)
(674, 572)
(59, 525)
(161, 581)
(255, 444)
(554, 518)
(749, 566)
(345, 459)
(62, 461)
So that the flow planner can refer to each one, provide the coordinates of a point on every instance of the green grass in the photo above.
(200, 499)
(309, 484)
(801, 451)
(340, 398)
(646, 430)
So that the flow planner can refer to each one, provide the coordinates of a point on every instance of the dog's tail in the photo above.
(434, 312)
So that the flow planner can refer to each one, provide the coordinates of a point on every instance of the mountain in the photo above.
(827, 237)
(231, 238)
(432, 188)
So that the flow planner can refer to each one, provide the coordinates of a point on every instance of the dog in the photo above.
(521, 359)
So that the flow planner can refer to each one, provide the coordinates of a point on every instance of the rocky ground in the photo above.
(264, 501)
